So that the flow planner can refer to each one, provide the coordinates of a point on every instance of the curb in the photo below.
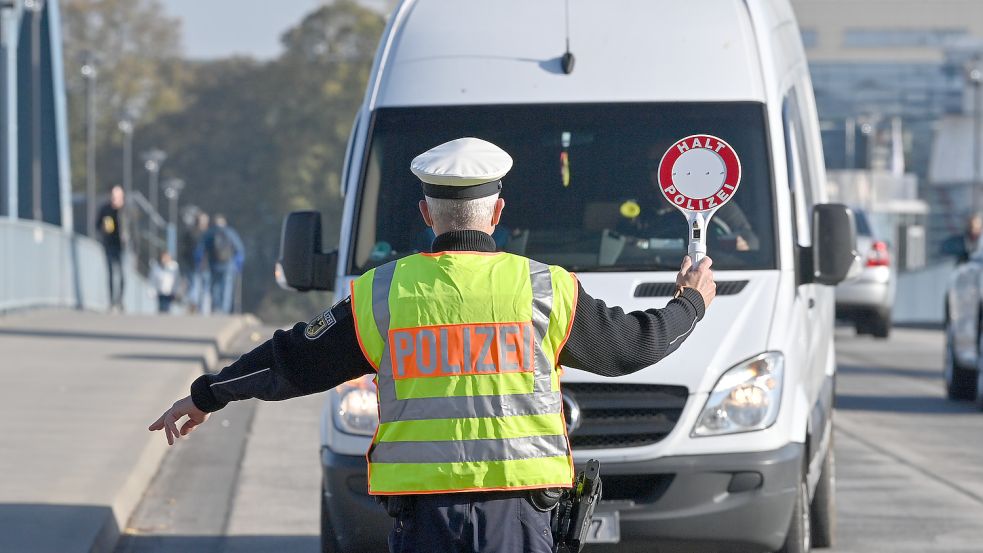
(155, 448)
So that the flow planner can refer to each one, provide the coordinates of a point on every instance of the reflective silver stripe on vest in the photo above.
(542, 308)
(463, 451)
(543, 400)
(382, 282)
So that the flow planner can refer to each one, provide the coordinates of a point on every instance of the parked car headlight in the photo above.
(357, 408)
(747, 397)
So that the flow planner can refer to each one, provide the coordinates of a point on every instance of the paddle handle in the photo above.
(697, 238)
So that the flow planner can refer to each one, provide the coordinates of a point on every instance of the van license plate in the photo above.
(604, 528)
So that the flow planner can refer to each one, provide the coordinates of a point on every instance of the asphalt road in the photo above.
(910, 466)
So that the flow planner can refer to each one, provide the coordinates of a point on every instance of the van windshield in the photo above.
(583, 192)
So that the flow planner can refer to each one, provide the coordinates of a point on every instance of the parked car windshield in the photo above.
(583, 192)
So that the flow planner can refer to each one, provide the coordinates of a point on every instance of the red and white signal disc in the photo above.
(699, 173)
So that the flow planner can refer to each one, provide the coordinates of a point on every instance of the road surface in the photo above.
(910, 466)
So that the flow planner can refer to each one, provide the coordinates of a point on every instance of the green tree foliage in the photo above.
(253, 140)
(257, 140)
(136, 51)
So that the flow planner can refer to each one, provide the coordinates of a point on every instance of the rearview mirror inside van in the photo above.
(834, 243)
(302, 265)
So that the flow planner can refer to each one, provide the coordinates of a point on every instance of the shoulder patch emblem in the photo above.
(319, 325)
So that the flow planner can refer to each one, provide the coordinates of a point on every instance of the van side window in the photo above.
(799, 181)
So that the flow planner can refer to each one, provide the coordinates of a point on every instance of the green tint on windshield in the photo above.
(583, 192)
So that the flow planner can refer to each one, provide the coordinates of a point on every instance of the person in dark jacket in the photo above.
(964, 245)
(110, 227)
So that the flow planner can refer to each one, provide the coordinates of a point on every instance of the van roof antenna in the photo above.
(567, 60)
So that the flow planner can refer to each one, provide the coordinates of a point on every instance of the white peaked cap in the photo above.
(456, 168)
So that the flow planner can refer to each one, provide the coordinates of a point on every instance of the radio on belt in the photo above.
(698, 174)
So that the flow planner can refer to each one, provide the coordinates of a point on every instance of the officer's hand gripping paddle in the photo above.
(698, 174)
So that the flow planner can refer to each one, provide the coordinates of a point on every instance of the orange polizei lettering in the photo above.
(463, 349)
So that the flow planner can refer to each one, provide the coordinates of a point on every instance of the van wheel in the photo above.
(823, 508)
(960, 382)
(328, 542)
(799, 537)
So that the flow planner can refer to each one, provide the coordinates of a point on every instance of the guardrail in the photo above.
(42, 265)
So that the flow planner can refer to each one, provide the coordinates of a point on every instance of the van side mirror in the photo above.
(834, 243)
(302, 265)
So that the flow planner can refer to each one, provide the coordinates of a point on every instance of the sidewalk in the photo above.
(77, 391)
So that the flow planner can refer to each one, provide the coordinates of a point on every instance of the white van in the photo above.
(726, 443)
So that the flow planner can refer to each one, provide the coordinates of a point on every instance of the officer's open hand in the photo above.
(699, 278)
(169, 420)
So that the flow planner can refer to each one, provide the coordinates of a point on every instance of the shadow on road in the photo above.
(81, 335)
(931, 374)
(218, 544)
(902, 404)
(151, 358)
(45, 527)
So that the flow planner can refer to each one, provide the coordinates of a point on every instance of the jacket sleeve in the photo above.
(309, 358)
(609, 342)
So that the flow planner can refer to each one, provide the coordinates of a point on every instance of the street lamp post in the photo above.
(152, 160)
(90, 73)
(172, 190)
(974, 74)
(126, 127)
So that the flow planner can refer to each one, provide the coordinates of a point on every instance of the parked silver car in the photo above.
(866, 300)
(963, 339)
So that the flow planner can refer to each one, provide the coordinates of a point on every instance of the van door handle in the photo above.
(812, 303)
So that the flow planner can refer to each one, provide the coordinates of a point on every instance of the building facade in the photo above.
(878, 63)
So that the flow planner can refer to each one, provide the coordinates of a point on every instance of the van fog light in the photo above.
(357, 410)
(745, 398)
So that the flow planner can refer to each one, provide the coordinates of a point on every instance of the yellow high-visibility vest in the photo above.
(465, 346)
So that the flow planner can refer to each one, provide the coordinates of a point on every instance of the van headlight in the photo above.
(357, 408)
(746, 397)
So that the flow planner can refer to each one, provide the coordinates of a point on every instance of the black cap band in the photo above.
(462, 192)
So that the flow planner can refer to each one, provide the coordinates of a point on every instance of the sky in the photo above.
(221, 28)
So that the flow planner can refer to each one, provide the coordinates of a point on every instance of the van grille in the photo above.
(622, 415)
(668, 289)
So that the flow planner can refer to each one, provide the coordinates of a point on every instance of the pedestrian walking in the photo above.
(456, 458)
(165, 273)
(222, 248)
(110, 223)
(193, 262)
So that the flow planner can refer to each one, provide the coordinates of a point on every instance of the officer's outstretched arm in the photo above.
(609, 342)
(308, 358)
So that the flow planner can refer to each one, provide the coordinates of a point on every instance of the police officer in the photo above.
(465, 344)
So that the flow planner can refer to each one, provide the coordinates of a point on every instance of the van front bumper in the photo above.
(735, 502)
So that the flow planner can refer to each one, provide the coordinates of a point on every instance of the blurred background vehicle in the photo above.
(867, 300)
(963, 337)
